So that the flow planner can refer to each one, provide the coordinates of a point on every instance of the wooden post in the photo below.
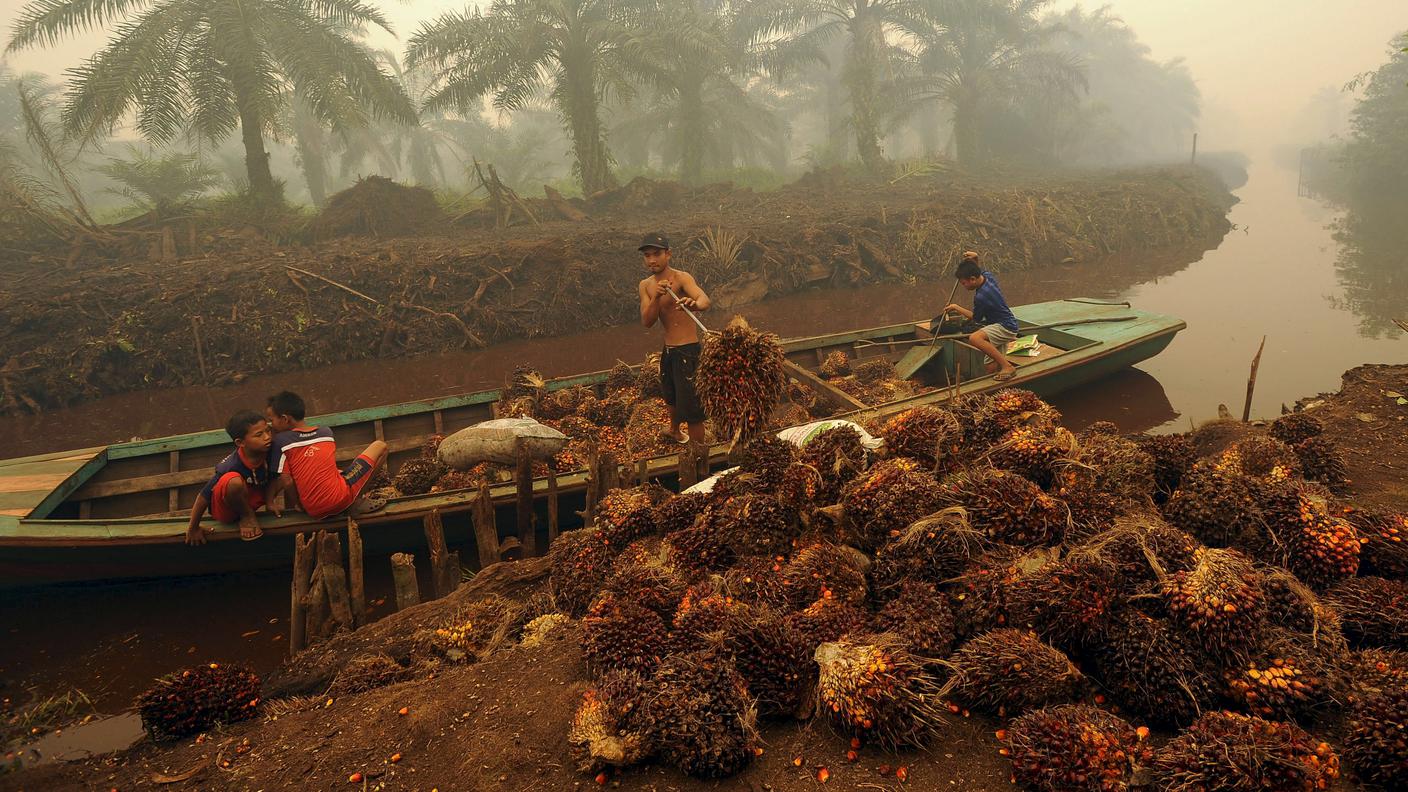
(523, 479)
(486, 530)
(1194, 160)
(642, 471)
(403, 575)
(356, 580)
(439, 555)
(687, 469)
(335, 579)
(316, 611)
(593, 486)
(298, 611)
(552, 503)
(1251, 382)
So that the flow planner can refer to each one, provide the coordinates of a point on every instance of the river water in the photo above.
(1323, 307)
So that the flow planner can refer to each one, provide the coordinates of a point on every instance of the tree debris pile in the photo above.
(88, 321)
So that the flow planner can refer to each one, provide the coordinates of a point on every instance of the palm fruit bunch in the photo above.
(1173, 457)
(1321, 460)
(467, 634)
(1143, 549)
(874, 370)
(606, 729)
(802, 487)
(886, 498)
(620, 377)
(458, 480)
(620, 633)
(643, 426)
(1005, 506)
(927, 434)
(679, 512)
(649, 584)
(1284, 679)
(524, 381)
(1008, 409)
(417, 475)
(1066, 602)
(1291, 605)
(873, 687)
(1260, 458)
(933, 548)
(625, 515)
(1321, 548)
(1376, 739)
(1150, 670)
(1100, 429)
(979, 595)
(1010, 671)
(740, 378)
(825, 620)
(559, 404)
(579, 562)
(766, 457)
(1075, 748)
(648, 377)
(517, 407)
(697, 551)
(823, 570)
(1385, 543)
(611, 412)
(431, 447)
(537, 630)
(703, 610)
(753, 524)
(1220, 601)
(1373, 612)
(836, 364)
(920, 617)
(700, 716)
(1370, 671)
(756, 580)
(1293, 428)
(731, 483)
(1216, 507)
(368, 672)
(197, 698)
(1230, 751)
(1110, 474)
(837, 456)
(773, 660)
(1033, 451)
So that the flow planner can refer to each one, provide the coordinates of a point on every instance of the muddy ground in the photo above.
(501, 724)
(191, 306)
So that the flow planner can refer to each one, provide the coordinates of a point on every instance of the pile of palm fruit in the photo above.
(1086, 587)
(871, 382)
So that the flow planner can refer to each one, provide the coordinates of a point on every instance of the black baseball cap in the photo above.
(654, 239)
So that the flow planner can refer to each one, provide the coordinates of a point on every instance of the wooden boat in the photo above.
(120, 511)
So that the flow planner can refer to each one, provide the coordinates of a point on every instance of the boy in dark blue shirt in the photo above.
(237, 489)
(989, 309)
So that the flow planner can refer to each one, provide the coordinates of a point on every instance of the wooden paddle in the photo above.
(917, 357)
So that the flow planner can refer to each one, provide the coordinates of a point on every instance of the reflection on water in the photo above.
(1373, 266)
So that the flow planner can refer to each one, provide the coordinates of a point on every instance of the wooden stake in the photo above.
(298, 611)
(486, 529)
(687, 468)
(403, 575)
(200, 350)
(440, 572)
(593, 485)
(552, 504)
(1251, 382)
(335, 580)
(642, 471)
(356, 581)
(523, 478)
(316, 609)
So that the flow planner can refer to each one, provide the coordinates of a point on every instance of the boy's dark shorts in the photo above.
(677, 365)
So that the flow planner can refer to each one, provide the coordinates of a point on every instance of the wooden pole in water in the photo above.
(403, 575)
(1251, 382)
(523, 481)
(440, 573)
(335, 580)
(553, 526)
(298, 610)
(486, 530)
(356, 580)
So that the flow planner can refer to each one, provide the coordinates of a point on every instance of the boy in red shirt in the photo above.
(305, 460)
(236, 491)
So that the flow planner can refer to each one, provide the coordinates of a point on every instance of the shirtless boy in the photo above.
(681, 353)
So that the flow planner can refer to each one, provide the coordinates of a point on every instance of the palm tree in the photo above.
(872, 57)
(975, 53)
(209, 66)
(577, 52)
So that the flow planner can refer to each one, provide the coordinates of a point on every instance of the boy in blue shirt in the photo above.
(237, 489)
(990, 310)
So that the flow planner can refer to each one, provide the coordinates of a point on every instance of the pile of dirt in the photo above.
(1366, 415)
(379, 207)
(232, 303)
(1016, 599)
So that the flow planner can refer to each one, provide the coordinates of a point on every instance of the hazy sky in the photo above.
(1257, 61)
